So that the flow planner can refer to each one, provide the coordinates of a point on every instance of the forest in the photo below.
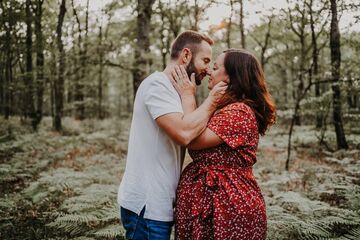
(69, 71)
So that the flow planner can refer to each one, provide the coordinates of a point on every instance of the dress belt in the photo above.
(208, 181)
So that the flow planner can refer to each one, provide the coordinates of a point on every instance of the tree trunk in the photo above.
(129, 98)
(228, 32)
(195, 25)
(265, 59)
(8, 60)
(39, 61)
(29, 92)
(83, 61)
(52, 80)
(100, 82)
(80, 73)
(2, 83)
(264, 46)
(301, 34)
(72, 70)
(242, 29)
(335, 73)
(351, 94)
(142, 51)
(315, 60)
(2, 62)
(165, 39)
(59, 82)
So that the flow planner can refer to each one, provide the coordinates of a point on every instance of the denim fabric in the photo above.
(139, 228)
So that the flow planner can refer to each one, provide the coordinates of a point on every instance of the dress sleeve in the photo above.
(235, 125)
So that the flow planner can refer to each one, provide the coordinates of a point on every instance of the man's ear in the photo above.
(185, 56)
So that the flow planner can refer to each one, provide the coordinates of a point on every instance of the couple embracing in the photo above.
(216, 196)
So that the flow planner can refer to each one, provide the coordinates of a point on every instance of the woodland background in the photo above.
(68, 74)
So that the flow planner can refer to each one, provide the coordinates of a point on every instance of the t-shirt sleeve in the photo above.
(160, 99)
(235, 126)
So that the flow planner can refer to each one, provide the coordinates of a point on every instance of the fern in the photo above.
(354, 233)
(72, 218)
(83, 238)
(109, 232)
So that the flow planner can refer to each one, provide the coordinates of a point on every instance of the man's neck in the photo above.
(169, 67)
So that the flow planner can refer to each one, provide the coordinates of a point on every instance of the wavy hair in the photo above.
(247, 84)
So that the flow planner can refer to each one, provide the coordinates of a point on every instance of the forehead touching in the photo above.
(220, 60)
(204, 52)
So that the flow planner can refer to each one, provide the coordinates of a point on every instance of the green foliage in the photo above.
(317, 204)
(67, 189)
(64, 187)
(319, 225)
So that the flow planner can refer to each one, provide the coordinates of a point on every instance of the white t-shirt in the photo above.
(153, 164)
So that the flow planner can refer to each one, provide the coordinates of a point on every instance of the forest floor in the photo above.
(64, 186)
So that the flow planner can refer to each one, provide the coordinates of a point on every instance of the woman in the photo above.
(218, 196)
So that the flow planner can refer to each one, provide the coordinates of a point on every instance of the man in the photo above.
(158, 130)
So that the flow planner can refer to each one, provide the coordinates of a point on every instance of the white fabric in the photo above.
(153, 162)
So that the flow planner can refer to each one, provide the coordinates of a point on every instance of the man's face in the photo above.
(200, 62)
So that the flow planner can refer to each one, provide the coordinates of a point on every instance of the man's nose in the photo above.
(208, 71)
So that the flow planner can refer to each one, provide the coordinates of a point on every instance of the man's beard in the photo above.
(191, 69)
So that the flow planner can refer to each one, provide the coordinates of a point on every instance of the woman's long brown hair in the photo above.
(247, 84)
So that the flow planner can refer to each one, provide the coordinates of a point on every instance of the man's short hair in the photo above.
(188, 39)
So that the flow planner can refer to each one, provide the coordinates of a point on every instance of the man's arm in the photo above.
(183, 128)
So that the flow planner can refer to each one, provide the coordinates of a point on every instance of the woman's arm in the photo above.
(183, 128)
(207, 139)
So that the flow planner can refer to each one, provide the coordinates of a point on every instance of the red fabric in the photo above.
(218, 197)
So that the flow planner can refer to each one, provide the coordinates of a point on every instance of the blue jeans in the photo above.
(139, 228)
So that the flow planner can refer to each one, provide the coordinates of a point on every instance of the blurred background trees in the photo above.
(82, 59)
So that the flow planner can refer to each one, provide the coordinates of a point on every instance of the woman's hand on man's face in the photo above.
(181, 82)
(217, 92)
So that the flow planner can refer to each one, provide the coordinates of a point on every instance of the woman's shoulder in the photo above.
(237, 106)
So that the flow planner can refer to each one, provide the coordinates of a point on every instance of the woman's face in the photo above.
(218, 73)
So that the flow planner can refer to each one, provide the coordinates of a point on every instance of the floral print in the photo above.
(218, 197)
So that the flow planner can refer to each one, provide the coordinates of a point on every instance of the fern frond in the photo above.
(74, 218)
(353, 234)
(111, 231)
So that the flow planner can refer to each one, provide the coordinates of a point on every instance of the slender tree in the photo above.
(298, 27)
(228, 32)
(29, 93)
(314, 58)
(39, 61)
(142, 50)
(2, 59)
(172, 21)
(59, 83)
(335, 73)
(84, 63)
(315, 17)
(176, 15)
(197, 11)
(80, 69)
(164, 34)
(101, 68)
(8, 59)
(241, 24)
(264, 45)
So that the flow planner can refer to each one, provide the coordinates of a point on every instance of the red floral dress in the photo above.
(218, 196)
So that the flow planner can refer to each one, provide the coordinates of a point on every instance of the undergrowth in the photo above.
(63, 186)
